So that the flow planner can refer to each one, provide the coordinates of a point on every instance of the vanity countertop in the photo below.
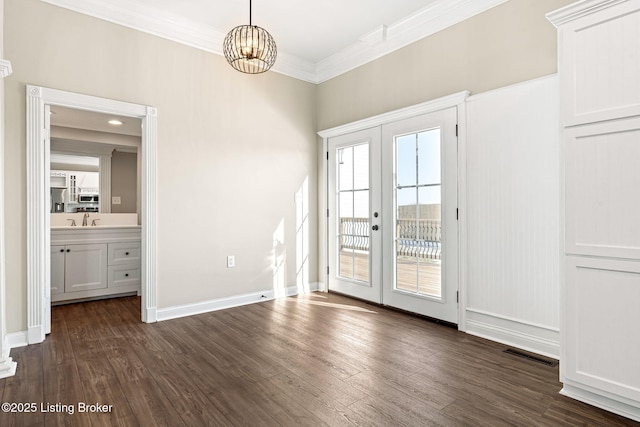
(93, 227)
(66, 235)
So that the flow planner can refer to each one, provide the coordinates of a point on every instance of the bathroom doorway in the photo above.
(39, 102)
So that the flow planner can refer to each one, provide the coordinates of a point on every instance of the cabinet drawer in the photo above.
(124, 253)
(123, 275)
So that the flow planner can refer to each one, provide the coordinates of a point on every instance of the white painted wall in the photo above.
(513, 151)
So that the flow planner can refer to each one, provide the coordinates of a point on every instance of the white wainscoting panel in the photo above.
(513, 226)
(601, 62)
(602, 178)
(603, 298)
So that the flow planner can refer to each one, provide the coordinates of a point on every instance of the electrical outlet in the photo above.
(116, 200)
(231, 261)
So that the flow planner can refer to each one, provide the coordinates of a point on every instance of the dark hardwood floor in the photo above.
(320, 359)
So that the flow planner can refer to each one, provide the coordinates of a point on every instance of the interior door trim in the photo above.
(38, 219)
(445, 102)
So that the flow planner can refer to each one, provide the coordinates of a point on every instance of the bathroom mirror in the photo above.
(94, 162)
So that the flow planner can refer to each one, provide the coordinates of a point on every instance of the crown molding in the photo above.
(577, 10)
(159, 24)
(5, 68)
(428, 21)
(370, 46)
(179, 30)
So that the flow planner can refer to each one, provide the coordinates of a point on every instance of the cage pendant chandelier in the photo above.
(250, 49)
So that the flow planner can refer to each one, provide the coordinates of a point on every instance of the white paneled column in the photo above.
(37, 230)
(148, 215)
(599, 68)
(105, 184)
(7, 365)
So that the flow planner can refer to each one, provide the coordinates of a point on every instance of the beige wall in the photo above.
(233, 149)
(3, 303)
(124, 181)
(510, 43)
(507, 44)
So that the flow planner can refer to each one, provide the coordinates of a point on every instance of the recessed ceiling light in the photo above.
(115, 122)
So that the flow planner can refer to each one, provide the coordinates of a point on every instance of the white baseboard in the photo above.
(534, 338)
(229, 302)
(7, 365)
(17, 339)
(602, 402)
(21, 338)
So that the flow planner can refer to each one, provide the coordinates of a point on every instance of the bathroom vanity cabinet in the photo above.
(92, 262)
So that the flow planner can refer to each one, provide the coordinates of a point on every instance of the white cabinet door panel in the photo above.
(602, 182)
(85, 267)
(600, 67)
(601, 336)
(57, 269)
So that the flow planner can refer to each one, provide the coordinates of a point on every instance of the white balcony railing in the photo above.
(416, 238)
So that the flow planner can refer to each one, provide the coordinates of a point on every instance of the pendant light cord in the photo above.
(250, 13)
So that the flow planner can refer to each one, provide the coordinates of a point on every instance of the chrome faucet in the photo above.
(84, 219)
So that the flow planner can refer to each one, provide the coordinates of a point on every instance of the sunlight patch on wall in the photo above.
(302, 237)
(279, 256)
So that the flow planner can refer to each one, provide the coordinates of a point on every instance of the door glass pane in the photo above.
(429, 155)
(353, 209)
(406, 160)
(406, 232)
(361, 167)
(345, 204)
(361, 235)
(344, 157)
(418, 213)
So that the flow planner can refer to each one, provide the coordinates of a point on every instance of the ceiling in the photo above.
(316, 40)
(89, 120)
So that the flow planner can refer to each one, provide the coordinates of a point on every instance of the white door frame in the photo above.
(38, 221)
(455, 100)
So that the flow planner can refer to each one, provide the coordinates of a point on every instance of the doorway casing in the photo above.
(38, 220)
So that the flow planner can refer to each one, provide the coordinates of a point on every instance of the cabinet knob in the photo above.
(126, 274)
(61, 250)
(126, 253)
(68, 250)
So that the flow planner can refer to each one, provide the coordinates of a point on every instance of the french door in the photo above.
(393, 215)
(354, 206)
(420, 227)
